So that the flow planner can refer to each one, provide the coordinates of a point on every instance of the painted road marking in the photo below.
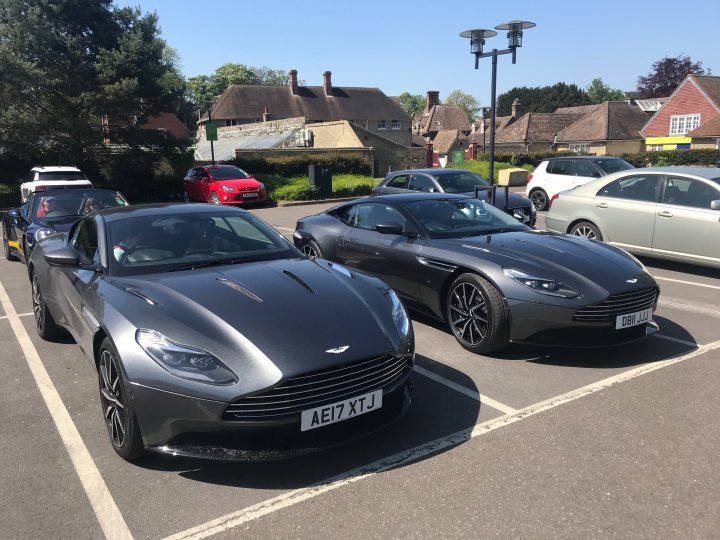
(111, 520)
(688, 282)
(677, 303)
(291, 498)
(3, 317)
(466, 391)
(676, 340)
(285, 229)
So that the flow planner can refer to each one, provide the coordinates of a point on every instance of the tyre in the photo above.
(586, 229)
(214, 199)
(476, 314)
(186, 197)
(6, 247)
(46, 326)
(539, 199)
(312, 250)
(117, 406)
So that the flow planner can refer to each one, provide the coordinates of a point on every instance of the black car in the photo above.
(492, 279)
(48, 212)
(457, 181)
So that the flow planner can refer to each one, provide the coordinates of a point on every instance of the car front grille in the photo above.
(248, 189)
(309, 391)
(618, 304)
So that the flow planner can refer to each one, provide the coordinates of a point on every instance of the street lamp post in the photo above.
(477, 38)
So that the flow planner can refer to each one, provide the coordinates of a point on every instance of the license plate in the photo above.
(250, 195)
(633, 319)
(342, 410)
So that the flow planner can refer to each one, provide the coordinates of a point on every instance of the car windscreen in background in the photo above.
(61, 176)
(227, 173)
(609, 166)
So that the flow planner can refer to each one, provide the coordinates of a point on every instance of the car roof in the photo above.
(59, 192)
(411, 197)
(560, 158)
(57, 168)
(432, 171)
(710, 173)
(165, 209)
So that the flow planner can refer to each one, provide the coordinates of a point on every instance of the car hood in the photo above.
(57, 224)
(239, 183)
(294, 312)
(575, 261)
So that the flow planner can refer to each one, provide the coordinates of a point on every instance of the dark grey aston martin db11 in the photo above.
(492, 279)
(214, 337)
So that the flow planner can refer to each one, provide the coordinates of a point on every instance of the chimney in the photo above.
(432, 99)
(266, 114)
(516, 108)
(327, 83)
(293, 81)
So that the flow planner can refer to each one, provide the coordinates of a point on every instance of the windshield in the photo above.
(454, 218)
(459, 182)
(74, 202)
(227, 173)
(163, 243)
(609, 166)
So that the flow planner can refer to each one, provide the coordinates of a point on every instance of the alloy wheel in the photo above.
(37, 300)
(112, 398)
(539, 199)
(310, 251)
(214, 199)
(586, 231)
(468, 314)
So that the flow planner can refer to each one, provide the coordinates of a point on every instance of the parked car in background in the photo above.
(554, 175)
(180, 309)
(222, 184)
(491, 279)
(457, 181)
(48, 212)
(665, 212)
(44, 178)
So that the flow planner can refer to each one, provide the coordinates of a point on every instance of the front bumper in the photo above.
(180, 425)
(238, 198)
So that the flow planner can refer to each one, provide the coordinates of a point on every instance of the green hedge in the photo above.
(707, 158)
(297, 165)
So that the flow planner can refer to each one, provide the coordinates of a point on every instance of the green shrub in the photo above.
(299, 190)
(703, 158)
(482, 168)
(297, 164)
(352, 186)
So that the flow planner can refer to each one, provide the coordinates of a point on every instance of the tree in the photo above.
(542, 99)
(666, 75)
(411, 103)
(466, 102)
(599, 92)
(65, 65)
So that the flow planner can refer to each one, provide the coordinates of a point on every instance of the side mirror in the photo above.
(64, 256)
(389, 228)
(715, 205)
(13, 214)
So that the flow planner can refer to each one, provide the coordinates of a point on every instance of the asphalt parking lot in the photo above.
(531, 442)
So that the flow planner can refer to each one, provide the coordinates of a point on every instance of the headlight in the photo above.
(42, 233)
(228, 189)
(542, 285)
(262, 186)
(399, 315)
(183, 361)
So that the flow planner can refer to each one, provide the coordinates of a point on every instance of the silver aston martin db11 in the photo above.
(214, 337)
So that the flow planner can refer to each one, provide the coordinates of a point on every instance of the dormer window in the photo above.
(382, 124)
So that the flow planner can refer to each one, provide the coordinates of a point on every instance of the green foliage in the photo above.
(666, 75)
(348, 185)
(702, 158)
(542, 99)
(599, 92)
(299, 189)
(297, 165)
(411, 103)
(482, 168)
(469, 105)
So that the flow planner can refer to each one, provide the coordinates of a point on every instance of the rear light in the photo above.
(529, 178)
(556, 196)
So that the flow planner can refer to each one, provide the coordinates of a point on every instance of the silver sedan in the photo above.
(664, 212)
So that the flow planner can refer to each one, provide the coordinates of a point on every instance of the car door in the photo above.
(626, 208)
(189, 183)
(685, 225)
(391, 257)
(560, 176)
(585, 171)
(396, 184)
(74, 282)
(424, 183)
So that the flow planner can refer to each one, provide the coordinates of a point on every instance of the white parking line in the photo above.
(111, 520)
(688, 282)
(284, 229)
(676, 340)
(677, 303)
(291, 498)
(466, 391)
(3, 317)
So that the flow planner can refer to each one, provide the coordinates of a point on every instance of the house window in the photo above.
(395, 124)
(579, 148)
(382, 124)
(683, 124)
(655, 148)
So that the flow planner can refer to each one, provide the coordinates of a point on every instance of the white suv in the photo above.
(554, 175)
(43, 178)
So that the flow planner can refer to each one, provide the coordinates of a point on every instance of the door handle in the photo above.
(665, 213)
(602, 205)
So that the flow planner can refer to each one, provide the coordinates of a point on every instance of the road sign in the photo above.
(458, 156)
(211, 131)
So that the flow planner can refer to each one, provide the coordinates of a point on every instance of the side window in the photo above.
(399, 181)
(370, 215)
(689, 192)
(421, 182)
(84, 240)
(562, 166)
(347, 215)
(586, 168)
(637, 187)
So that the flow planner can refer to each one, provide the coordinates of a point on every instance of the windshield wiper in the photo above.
(217, 262)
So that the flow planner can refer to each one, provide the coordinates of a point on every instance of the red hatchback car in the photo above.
(222, 184)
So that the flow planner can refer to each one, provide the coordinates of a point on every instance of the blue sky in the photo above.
(401, 45)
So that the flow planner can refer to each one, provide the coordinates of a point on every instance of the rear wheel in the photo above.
(477, 315)
(539, 199)
(46, 326)
(6, 247)
(214, 199)
(120, 419)
(586, 229)
(312, 249)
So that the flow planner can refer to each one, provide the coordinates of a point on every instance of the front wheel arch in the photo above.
(460, 270)
(602, 237)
